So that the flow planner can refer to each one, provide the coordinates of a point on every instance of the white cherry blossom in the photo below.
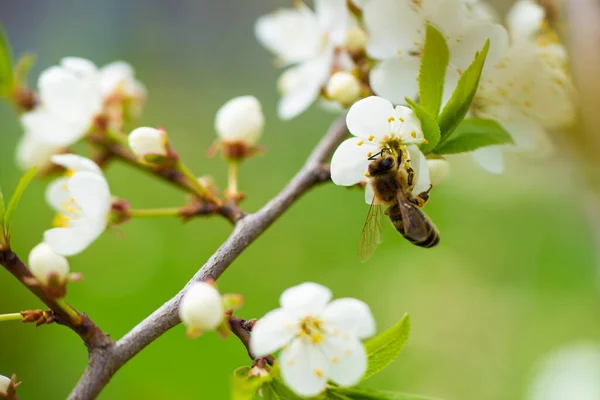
(307, 40)
(45, 264)
(320, 340)
(201, 309)
(83, 202)
(146, 141)
(240, 120)
(375, 122)
(397, 29)
(32, 152)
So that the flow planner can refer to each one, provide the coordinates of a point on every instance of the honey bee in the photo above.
(392, 179)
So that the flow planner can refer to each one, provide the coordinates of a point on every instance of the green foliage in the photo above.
(372, 394)
(6, 65)
(434, 62)
(11, 208)
(244, 387)
(474, 133)
(431, 129)
(464, 93)
(387, 346)
(22, 69)
(276, 390)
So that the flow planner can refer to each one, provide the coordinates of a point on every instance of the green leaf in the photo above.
(22, 69)
(434, 62)
(386, 347)
(278, 391)
(464, 93)
(357, 393)
(474, 133)
(244, 387)
(16, 198)
(431, 129)
(6, 70)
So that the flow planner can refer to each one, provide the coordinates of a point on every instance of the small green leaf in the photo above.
(434, 62)
(278, 391)
(22, 68)
(462, 97)
(386, 347)
(472, 134)
(6, 65)
(2, 210)
(431, 129)
(244, 387)
(357, 393)
(15, 199)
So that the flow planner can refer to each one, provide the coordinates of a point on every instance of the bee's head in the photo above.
(382, 165)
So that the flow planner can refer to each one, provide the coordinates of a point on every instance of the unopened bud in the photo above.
(8, 387)
(47, 266)
(343, 87)
(438, 170)
(201, 309)
(149, 142)
(4, 384)
(240, 120)
(356, 40)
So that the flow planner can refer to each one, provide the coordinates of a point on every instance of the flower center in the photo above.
(311, 329)
(69, 211)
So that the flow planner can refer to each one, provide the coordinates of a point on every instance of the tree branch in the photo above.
(105, 361)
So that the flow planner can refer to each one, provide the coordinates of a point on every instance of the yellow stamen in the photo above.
(371, 138)
(60, 221)
(425, 141)
(527, 103)
(360, 143)
(369, 154)
(413, 134)
(367, 175)
(335, 360)
(390, 119)
(319, 373)
(401, 119)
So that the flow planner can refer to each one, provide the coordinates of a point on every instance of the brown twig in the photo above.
(62, 314)
(242, 328)
(105, 361)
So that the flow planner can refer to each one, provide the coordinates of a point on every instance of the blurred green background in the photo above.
(514, 277)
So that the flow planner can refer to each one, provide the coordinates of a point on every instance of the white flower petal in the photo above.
(201, 308)
(529, 135)
(410, 125)
(115, 75)
(473, 40)
(333, 17)
(57, 193)
(305, 299)
(76, 163)
(273, 331)
(419, 163)
(348, 359)
(350, 161)
(47, 127)
(304, 368)
(32, 152)
(369, 117)
(369, 192)
(71, 241)
(91, 193)
(396, 79)
(394, 28)
(145, 141)
(79, 65)
(43, 262)
(292, 34)
(240, 120)
(525, 19)
(490, 158)
(350, 316)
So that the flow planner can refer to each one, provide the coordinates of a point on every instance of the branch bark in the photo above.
(105, 361)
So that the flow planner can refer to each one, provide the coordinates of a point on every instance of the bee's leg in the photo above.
(411, 176)
(422, 197)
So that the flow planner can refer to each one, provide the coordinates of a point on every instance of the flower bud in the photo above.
(343, 87)
(148, 142)
(8, 387)
(47, 266)
(201, 309)
(4, 384)
(356, 40)
(240, 120)
(438, 170)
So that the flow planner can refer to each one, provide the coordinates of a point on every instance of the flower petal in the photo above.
(304, 368)
(369, 192)
(76, 163)
(529, 135)
(350, 161)
(351, 316)
(273, 331)
(419, 163)
(396, 79)
(490, 158)
(524, 19)
(410, 124)
(394, 28)
(47, 127)
(32, 152)
(463, 53)
(333, 17)
(305, 299)
(57, 193)
(348, 359)
(90, 191)
(71, 241)
(369, 117)
(292, 34)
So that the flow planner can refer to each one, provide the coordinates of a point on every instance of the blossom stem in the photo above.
(75, 317)
(232, 175)
(200, 189)
(155, 213)
(11, 317)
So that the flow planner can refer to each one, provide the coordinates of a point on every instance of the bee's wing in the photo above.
(415, 223)
(370, 237)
